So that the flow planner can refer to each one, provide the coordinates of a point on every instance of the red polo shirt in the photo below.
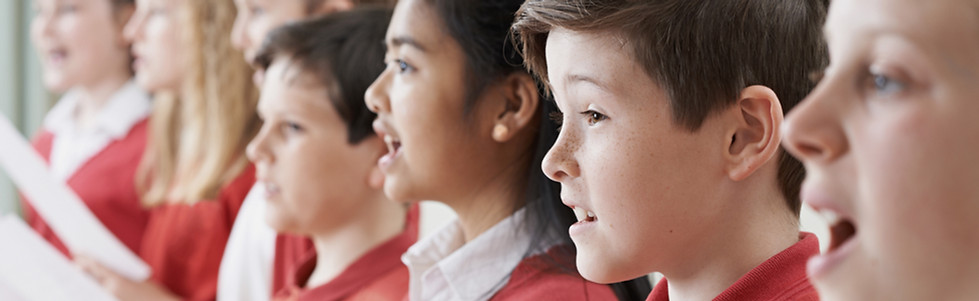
(184, 243)
(105, 183)
(781, 277)
(541, 277)
(377, 275)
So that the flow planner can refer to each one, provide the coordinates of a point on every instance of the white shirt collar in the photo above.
(443, 267)
(73, 146)
(128, 106)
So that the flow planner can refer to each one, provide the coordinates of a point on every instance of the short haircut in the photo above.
(702, 52)
(343, 52)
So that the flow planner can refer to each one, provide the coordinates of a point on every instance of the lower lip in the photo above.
(387, 160)
(581, 228)
(822, 264)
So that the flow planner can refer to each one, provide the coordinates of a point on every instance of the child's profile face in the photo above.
(314, 179)
(158, 38)
(435, 150)
(621, 159)
(256, 18)
(79, 42)
(890, 140)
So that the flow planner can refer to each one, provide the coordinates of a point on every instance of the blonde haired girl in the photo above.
(194, 174)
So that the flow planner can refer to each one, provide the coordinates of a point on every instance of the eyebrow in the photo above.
(406, 40)
(575, 78)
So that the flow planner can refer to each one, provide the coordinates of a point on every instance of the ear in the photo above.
(755, 138)
(332, 6)
(518, 108)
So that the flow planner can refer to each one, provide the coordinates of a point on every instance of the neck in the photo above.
(93, 97)
(493, 202)
(753, 229)
(336, 249)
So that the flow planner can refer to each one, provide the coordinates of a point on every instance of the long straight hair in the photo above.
(198, 135)
(482, 29)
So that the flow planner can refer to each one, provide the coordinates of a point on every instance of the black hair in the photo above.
(341, 49)
(482, 30)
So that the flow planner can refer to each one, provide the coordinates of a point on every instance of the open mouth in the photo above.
(584, 215)
(394, 149)
(393, 144)
(57, 56)
(841, 229)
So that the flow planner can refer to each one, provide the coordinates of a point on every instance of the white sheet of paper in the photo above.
(62, 209)
(31, 269)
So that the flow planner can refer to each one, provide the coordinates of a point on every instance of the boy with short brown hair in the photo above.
(669, 151)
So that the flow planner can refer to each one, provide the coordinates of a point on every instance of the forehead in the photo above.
(596, 56)
(417, 20)
(943, 26)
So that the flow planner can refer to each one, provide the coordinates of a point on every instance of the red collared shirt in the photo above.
(183, 244)
(781, 277)
(377, 275)
(98, 163)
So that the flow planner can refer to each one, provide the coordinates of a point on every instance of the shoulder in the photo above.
(551, 276)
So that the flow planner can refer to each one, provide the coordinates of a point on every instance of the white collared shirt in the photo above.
(443, 267)
(73, 146)
(246, 268)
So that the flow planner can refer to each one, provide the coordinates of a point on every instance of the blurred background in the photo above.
(22, 97)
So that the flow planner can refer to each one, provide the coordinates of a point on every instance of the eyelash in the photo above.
(291, 127)
(403, 67)
(594, 117)
(885, 85)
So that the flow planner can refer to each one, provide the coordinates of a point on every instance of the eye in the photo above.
(886, 85)
(291, 128)
(257, 11)
(403, 67)
(593, 117)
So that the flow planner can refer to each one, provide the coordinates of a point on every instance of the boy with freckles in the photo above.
(669, 151)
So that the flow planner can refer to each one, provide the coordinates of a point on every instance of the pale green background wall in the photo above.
(22, 98)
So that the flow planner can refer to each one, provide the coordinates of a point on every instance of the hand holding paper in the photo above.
(67, 215)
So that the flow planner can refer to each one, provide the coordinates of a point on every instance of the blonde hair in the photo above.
(198, 135)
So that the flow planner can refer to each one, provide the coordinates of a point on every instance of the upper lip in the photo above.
(383, 131)
(818, 198)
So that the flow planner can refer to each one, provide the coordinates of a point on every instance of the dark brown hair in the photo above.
(343, 52)
(702, 52)
(311, 5)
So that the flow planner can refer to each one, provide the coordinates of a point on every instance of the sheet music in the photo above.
(62, 209)
(31, 269)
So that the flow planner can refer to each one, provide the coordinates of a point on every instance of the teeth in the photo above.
(390, 143)
(831, 217)
(580, 213)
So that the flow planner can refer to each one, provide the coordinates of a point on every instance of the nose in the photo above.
(377, 96)
(257, 150)
(560, 164)
(813, 131)
(134, 27)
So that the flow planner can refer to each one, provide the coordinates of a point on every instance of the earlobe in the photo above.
(520, 101)
(756, 136)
